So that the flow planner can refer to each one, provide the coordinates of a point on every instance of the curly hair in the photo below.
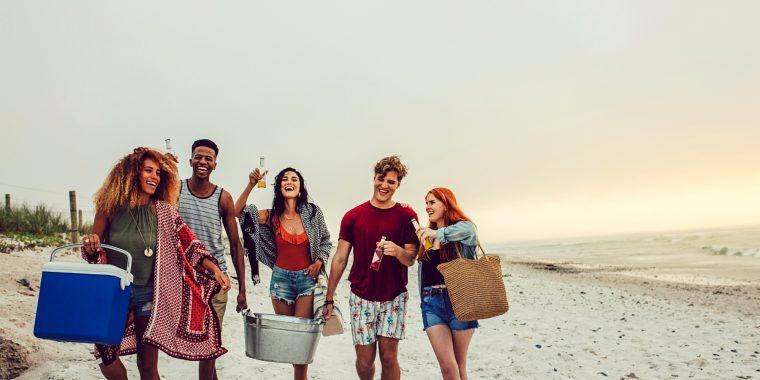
(391, 164)
(122, 186)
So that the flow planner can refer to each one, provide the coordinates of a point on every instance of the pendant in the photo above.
(148, 252)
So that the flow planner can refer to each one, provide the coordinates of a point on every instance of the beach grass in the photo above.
(37, 220)
(24, 227)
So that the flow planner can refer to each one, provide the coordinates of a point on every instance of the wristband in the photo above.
(329, 302)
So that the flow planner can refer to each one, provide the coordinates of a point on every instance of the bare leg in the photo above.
(114, 371)
(389, 358)
(304, 308)
(461, 344)
(207, 370)
(147, 354)
(443, 347)
(365, 361)
(282, 308)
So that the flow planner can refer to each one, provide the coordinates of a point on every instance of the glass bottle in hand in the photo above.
(378, 256)
(426, 242)
(263, 181)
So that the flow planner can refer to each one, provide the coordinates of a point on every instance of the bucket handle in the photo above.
(79, 245)
(249, 313)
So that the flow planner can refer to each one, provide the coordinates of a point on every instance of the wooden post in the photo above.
(79, 220)
(73, 208)
(7, 202)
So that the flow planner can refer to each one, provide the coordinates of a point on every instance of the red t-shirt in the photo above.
(364, 226)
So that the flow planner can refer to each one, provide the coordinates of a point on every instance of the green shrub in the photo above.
(40, 220)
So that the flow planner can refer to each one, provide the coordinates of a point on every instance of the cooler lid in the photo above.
(85, 268)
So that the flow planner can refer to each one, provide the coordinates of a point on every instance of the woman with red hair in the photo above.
(452, 234)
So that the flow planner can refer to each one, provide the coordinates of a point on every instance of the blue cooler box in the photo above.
(81, 302)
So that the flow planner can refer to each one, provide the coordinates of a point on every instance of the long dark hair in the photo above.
(278, 203)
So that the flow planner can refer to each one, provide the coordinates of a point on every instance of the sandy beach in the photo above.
(567, 320)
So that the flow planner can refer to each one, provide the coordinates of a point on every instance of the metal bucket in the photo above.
(281, 338)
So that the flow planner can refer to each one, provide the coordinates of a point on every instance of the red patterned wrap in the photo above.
(182, 323)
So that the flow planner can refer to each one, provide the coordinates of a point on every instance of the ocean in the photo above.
(729, 242)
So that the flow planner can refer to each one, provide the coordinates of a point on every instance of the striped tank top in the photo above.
(203, 216)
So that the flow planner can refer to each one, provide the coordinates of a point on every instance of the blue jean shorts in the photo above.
(141, 300)
(437, 310)
(288, 285)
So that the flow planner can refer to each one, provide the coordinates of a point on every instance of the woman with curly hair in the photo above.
(174, 275)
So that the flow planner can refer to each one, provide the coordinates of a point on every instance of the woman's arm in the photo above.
(91, 242)
(463, 231)
(219, 276)
(253, 178)
(263, 216)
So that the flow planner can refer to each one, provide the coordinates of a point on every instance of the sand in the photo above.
(566, 321)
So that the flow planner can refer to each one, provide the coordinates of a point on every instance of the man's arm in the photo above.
(406, 255)
(337, 266)
(236, 248)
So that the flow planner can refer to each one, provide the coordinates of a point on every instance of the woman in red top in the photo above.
(292, 239)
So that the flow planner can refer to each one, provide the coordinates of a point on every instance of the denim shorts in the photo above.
(141, 300)
(288, 285)
(437, 310)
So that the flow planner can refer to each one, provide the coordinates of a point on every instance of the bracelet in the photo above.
(329, 302)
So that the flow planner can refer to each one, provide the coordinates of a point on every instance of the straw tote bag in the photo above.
(475, 286)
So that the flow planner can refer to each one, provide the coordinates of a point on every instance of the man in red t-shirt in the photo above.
(378, 297)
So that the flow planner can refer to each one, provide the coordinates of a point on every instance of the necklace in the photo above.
(148, 252)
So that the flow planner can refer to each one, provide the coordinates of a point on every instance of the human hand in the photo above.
(256, 175)
(427, 233)
(327, 311)
(91, 243)
(242, 303)
(390, 248)
(222, 279)
(313, 269)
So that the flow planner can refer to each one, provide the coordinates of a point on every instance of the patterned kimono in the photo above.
(182, 322)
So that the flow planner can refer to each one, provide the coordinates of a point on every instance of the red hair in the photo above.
(451, 215)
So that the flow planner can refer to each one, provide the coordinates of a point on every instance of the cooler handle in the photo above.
(117, 249)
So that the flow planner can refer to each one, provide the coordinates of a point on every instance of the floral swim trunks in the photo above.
(370, 319)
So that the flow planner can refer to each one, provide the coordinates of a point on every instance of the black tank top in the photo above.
(430, 274)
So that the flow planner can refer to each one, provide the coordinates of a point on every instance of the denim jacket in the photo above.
(462, 233)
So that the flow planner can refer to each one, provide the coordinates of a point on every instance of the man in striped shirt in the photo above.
(205, 208)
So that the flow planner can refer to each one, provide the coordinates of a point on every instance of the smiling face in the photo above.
(290, 185)
(435, 209)
(385, 186)
(203, 162)
(150, 176)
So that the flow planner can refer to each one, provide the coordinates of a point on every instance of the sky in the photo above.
(548, 119)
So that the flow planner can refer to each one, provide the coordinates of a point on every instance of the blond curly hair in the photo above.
(391, 164)
(122, 186)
